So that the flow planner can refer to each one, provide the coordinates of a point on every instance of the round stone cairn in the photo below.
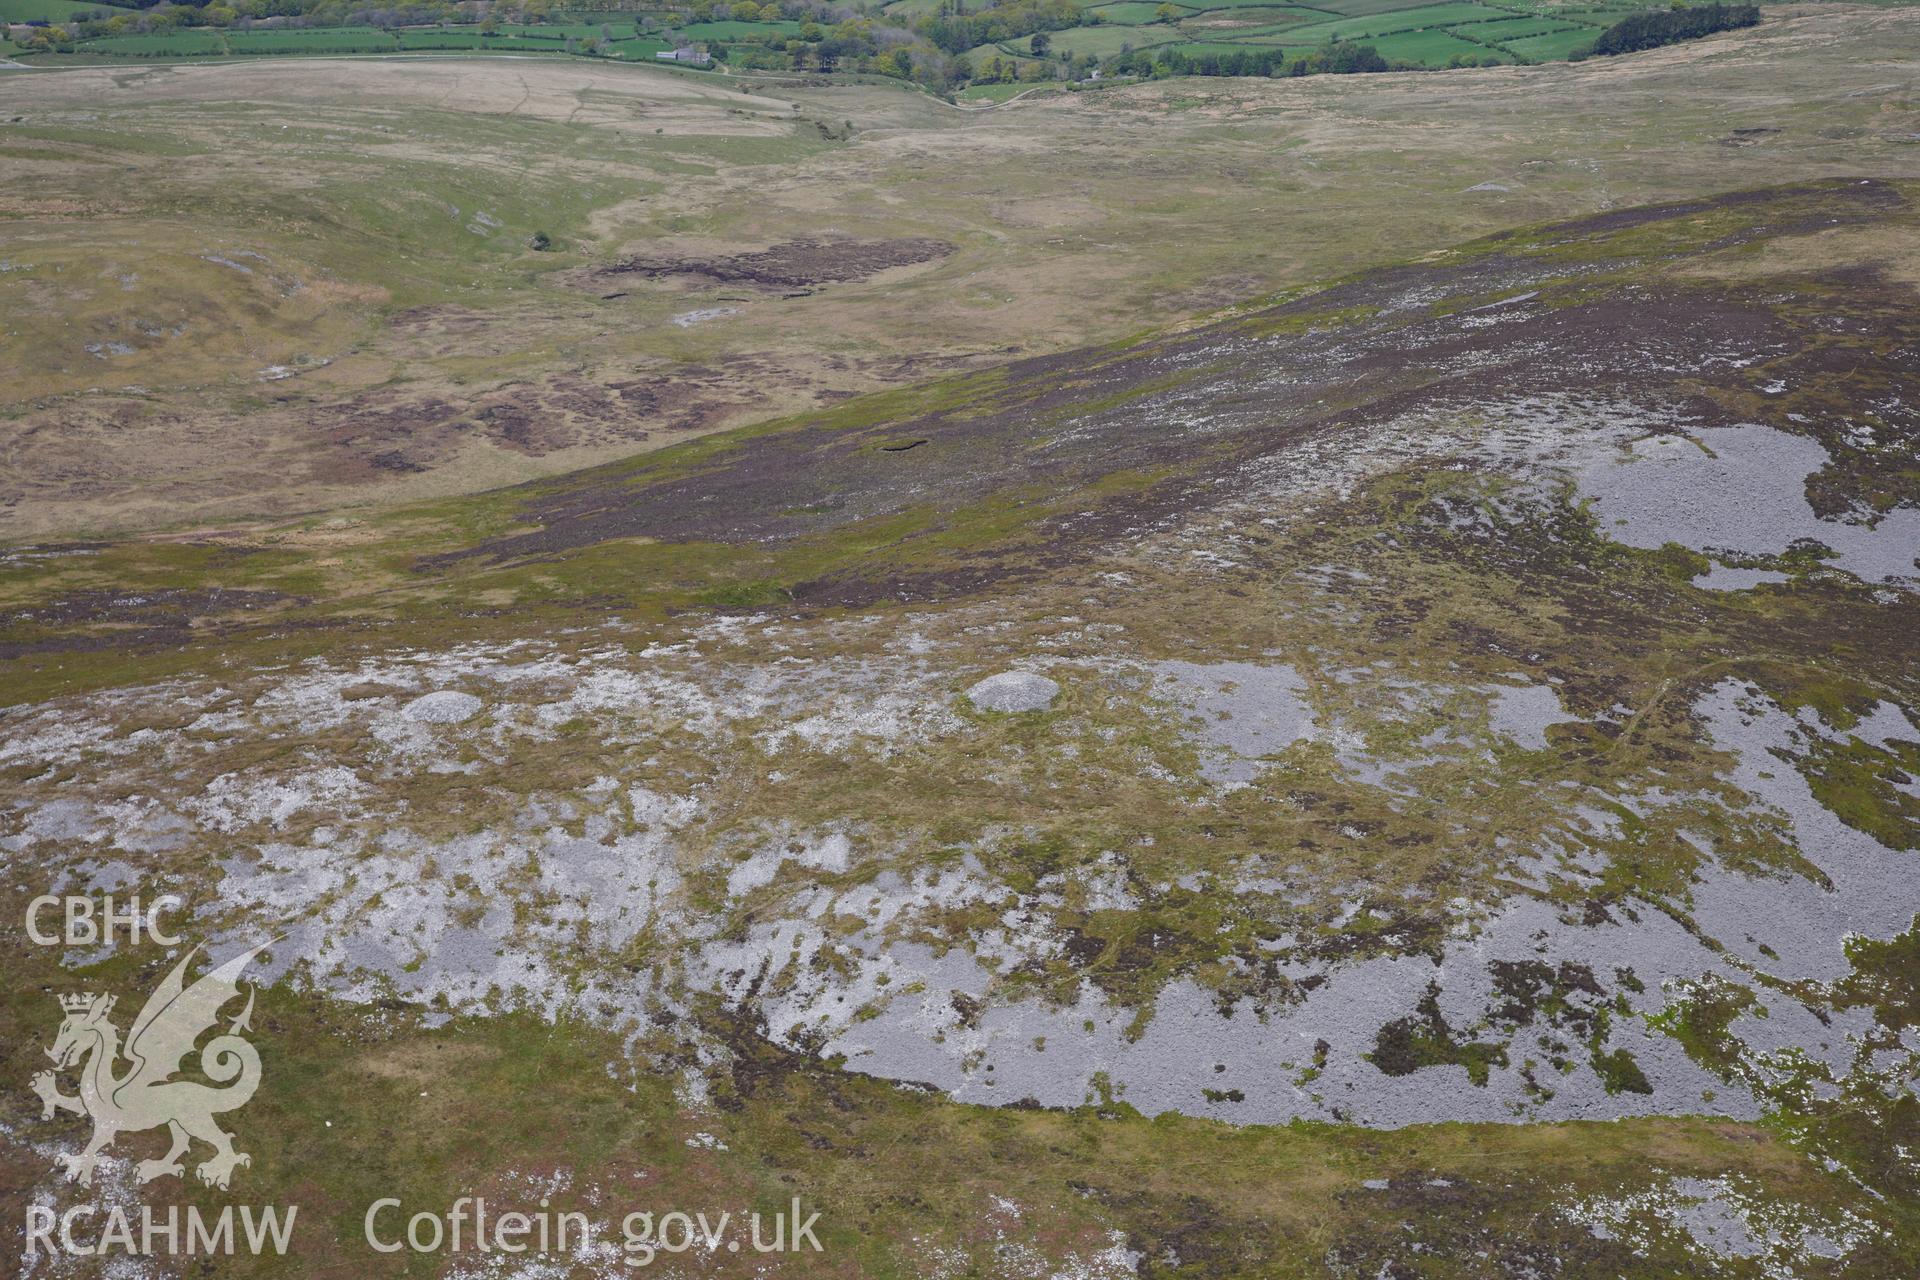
(448, 706)
(1014, 691)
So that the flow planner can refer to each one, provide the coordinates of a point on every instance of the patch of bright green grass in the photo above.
(1431, 48)
(53, 10)
(1105, 42)
(1504, 29)
(1000, 92)
(312, 40)
(730, 30)
(172, 44)
(1551, 48)
(1371, 27)
(1129, 13)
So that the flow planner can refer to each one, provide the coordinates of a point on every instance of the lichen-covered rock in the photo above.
(1014, 691)
(447, 706)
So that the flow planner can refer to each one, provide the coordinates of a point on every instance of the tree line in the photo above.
(959, 32)
(1652, 29)
(838, 36)
(1335, 59)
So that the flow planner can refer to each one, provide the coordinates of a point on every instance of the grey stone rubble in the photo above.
(447, 706)
(1740, 490)
(364, 921)
(613, 860)
(1014, 691)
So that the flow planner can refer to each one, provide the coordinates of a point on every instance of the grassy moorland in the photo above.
(762, 635)
(526, 542)
(347, 283)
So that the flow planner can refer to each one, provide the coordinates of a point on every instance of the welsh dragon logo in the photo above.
(143, 1095)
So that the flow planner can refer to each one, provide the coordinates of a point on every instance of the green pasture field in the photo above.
(458, 39)
(1262, 21)
(1428, 36)
(731, 30)
(563, 31)
(1373, 26)
(1001, 92)
(1275, 33)
(640, 47)
(1105, 42)
(51, 10)
(465, 39)
(1432, 48)
(1131, 13)
(172, 44)
(1552, 47)
(621, 25)
(312, 40)
(1367, 8)
(1255, 4)
(1198, 48)
(980, 54)
(1503, 29)
(1598, 16)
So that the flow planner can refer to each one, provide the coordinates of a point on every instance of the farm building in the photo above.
(697, 57)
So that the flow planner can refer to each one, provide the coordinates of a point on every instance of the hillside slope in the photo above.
(1478, 690)
(256, 290)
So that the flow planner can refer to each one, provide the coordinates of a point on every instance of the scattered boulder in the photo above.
(448, 706)
(1014, 691)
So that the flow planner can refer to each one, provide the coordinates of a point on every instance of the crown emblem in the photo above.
(78, 1002)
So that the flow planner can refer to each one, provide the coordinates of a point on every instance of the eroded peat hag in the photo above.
(798, 264)
(1585, 309)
